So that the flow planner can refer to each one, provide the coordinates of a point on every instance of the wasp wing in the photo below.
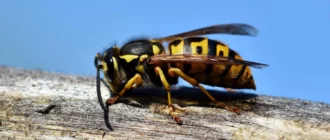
(205, 59)
(233, 28)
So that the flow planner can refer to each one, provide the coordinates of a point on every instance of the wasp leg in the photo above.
(160, 73)
(133, 82)
(175, 71)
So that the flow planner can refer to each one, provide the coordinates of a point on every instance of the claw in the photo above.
(112, 100)
(231, 109)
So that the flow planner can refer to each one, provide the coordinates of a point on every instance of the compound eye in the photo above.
(110, 71)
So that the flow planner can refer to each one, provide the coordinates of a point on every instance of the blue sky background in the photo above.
(64, 36)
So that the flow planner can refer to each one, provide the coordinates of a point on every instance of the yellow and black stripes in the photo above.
(228, 76)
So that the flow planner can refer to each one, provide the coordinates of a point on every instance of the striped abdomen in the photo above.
(235, 77)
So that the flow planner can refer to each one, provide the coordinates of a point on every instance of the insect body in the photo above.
(195, 59)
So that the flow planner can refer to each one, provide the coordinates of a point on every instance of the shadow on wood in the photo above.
(186, 96)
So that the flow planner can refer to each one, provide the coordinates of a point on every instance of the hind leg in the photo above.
(177, 72)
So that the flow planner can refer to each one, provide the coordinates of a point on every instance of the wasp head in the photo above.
(109, 64)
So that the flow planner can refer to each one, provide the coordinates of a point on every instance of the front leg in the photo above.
(133, 82)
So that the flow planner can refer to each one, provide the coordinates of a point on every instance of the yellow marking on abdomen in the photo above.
(203, 44)
(231, 75)
(223, 49)
(177, 49)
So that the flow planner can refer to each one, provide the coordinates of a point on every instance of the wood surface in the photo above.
(141, 114)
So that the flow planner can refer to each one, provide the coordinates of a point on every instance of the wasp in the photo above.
(190, 56)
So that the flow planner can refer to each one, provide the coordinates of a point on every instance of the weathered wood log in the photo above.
(74, 113)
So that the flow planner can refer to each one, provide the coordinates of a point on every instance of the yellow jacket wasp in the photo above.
(195, 59)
